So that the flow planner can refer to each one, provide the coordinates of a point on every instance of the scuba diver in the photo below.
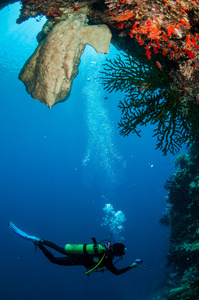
(94, 257)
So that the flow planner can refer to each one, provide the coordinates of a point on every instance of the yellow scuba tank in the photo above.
(94, 249)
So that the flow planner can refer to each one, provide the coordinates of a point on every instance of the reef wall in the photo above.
(182, 215)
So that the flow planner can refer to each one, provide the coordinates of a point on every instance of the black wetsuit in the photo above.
(86, 260)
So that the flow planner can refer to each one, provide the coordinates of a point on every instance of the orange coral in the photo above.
(154, 33)
(167, 34)
(124, 16)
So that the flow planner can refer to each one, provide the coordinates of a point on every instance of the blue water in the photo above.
(60, 167)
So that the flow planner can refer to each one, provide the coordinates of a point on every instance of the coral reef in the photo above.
(182, 160)
(166, 27)
(162, 28)
(48, 74)
(151, 97)
(183, 217)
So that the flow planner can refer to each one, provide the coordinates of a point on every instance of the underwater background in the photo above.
(59, 169)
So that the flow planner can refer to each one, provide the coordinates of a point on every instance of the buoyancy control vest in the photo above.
(88, 249)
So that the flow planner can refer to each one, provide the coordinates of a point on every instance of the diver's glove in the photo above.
(136, 263)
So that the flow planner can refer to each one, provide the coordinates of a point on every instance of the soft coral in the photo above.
(125, 16)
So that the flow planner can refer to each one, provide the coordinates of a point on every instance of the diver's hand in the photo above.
(136, 263)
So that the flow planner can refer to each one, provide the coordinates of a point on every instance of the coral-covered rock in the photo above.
(48, 74)
(195, 246)
(183, 293)
(183, 215)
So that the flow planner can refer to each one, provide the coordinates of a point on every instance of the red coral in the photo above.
(164, 37)
(190, 53)
(170, 30)
(149, 23)
(164, 52)
(155, 49)
(191, 42)
(188, 43)
(120, 26)
(194, 42)
(59, 13)
(148, 52)
(157, 43)
(140, 40)
(77, 7)
(135, 26)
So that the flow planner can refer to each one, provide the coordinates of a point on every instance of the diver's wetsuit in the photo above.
(86, 260)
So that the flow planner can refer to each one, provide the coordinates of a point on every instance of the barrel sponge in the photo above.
(49, 72)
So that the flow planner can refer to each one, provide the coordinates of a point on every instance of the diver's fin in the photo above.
(36, 246)
(22, 233)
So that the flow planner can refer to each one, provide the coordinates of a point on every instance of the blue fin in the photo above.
(22, 233)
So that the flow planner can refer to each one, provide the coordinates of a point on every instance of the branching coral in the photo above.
(151, 97)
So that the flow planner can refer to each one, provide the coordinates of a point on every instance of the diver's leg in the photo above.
(63, 261)
(53, 246)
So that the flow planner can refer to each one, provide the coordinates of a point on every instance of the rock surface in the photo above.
(48, 74)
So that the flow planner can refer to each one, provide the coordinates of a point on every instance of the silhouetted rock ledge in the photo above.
(3, 3)
(48, 74)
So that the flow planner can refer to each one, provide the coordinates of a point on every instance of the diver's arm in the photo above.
(115, 271)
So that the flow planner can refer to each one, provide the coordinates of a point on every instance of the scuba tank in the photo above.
(93, 249)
